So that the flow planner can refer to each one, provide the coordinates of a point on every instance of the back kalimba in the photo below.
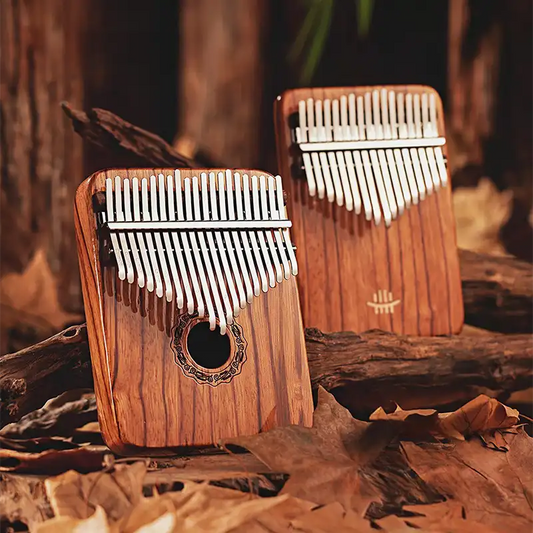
(369, 196)
(192, 306)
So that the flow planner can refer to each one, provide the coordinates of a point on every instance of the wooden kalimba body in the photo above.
(192, 307)
(370, 200)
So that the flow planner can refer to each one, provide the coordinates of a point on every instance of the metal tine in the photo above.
(268, 234)
(274, 213)
(426, 125)
(341, 165)
(319, 120)
(142, 246)
(428, 133)
(327, 120)
(435, 130)
(301, 136)
(209, 288)
(193, 263)
(114, 238)
(232, 191)
(361, 118)
(417, 172)
(392, 185)
(376, 112)
(342, 187)
(352, 119)
(336, 122)
(149, 238)
(369, 179)
(260, 234)
(354, 186)
(131, 236)
(385, 114)
(426, 172)
(381, 173)
(166, 238)
(345, 129)
(244, 238)
(403, 160)
(286, 235)
(399, 179)
(417, 119)
(248, 215)
(231, 267)
(433, 167)
(312, 136)
(388, 207)
(331, 191)
(211, 249)
(311, 129)
(158, 241)
(402, 126)
(411, 132)
(130, 273)
(359, 178)
(177, 246)
(321, 188)
(392, 113)
(370, 130)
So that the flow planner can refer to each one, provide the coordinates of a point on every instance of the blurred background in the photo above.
(203, 75)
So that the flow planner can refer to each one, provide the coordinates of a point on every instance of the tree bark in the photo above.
(41, 162)
(363, 370)
(220, 81)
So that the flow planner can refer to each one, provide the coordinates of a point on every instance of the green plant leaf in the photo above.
(364, 9)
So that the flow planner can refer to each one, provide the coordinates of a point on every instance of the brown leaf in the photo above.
(31, 298)
(480, 414)
(23, 499)
(52, 462)
(77, 495)
(332, 517)
(494, 488)
(39, 444)
(323, 461)
(413, 422)
(58, 417)
(97, 522)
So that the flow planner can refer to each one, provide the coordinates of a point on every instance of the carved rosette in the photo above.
(191, 369)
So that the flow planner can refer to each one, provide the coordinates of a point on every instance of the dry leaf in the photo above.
(97, 523)
(479, 415)
(77, 495)
(164, 524)
(480, 213)
(323, 461)
(23, 499)
(58, 416)
(52, 462)
(332, 517)
(39, 444)
(494, 488)
(31, 298)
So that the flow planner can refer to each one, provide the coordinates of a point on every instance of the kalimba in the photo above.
(365, 169)
(192, 307)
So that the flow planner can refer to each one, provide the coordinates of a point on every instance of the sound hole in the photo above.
(208, 348)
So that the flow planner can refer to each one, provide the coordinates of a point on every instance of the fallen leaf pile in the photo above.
(419, 470)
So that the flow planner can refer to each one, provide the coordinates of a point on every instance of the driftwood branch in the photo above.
(497, 292)
(364, 370)
(107, 130)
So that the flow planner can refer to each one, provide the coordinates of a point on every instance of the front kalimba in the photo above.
(192, 306)
(371, 205)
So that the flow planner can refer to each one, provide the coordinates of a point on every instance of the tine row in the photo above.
(216, 273)
(379, 182)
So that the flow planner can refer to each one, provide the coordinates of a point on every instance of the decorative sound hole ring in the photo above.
(201, 374)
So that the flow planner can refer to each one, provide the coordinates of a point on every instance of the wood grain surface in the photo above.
(146, 403)
(345, 259)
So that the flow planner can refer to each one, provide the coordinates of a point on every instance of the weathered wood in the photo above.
(221, 80)
(107, 130)
(497, 292)
(41, 162)
(363, 371)
(32, 376)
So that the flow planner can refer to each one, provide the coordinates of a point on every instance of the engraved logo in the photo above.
(383, 302)
(201, 375)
